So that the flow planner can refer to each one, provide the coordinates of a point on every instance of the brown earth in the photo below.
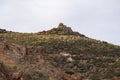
(27, 63)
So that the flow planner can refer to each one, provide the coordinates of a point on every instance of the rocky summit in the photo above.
(57, 54)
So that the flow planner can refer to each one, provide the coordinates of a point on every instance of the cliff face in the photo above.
(9, 56)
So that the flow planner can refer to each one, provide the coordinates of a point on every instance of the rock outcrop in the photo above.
(19, 62)
(61, 30)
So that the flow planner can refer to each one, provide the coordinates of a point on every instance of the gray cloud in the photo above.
(99, 19)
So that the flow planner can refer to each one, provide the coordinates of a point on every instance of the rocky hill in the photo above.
(57, 54)
(61, 30)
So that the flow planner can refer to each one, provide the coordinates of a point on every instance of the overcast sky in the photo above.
(98, 19)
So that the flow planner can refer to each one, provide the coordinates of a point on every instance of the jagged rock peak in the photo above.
(61, 25)
(61, 30)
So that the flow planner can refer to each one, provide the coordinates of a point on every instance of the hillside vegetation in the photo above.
(63, 39)
(87, 58)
